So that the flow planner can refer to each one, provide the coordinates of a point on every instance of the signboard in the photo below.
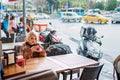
(11, 0)
(2, 7)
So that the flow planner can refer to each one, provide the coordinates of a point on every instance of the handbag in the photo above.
(14, 29)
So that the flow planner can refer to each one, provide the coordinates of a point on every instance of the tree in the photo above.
(111, 4)
(39, 4)
(83, 4)
(91, 3)
(99, 5)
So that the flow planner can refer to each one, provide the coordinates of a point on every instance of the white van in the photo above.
(71, 16)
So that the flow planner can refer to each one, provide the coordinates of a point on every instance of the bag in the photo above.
(58, 49)
(15, 30)
(2, 25)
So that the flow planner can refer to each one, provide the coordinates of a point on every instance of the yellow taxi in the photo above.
(33, 16)
(95, 18)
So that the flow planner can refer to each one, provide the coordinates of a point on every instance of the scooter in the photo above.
(90, 47)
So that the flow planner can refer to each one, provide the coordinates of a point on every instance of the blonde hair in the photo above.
(29, 35)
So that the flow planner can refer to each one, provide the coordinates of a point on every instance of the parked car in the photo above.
(71, 16)
(43, 16)
(94, 11)
(95, 18)
(115, 18)
(107, 14)
(117, 9)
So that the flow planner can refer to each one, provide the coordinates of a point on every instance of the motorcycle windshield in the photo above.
(93, 49)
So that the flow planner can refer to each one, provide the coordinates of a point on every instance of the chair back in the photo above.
(116, 65)
(17, 48)
(6, 40)
(91, 72)
(42, 75)
(20, 38)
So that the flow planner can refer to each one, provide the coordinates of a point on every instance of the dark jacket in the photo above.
(1, 71)
(5, 24)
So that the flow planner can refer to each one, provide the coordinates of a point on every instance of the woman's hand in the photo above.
(36, 48)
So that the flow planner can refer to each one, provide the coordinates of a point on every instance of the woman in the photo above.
(20, 26)
(12, 27)
(31, 48)
(6, 24)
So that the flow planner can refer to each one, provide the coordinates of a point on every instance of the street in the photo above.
(70, 34)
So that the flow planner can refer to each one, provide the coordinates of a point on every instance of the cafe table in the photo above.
(74, 61)
(40, 26)
(59, 63)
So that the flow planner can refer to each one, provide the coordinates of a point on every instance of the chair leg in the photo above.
(64, 76)
(78, 74)
(71, 72)
(58, 75)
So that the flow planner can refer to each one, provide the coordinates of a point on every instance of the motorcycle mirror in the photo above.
(50, 23)
(102, 36)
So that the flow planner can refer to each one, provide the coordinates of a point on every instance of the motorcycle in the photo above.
(49, 37)
(89, 45)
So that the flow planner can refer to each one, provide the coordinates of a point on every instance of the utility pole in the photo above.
(0, 29)
(1, 8)
(24, 16)
(67, 4)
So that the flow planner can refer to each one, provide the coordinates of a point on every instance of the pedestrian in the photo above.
(29, 23)
(12, 27)
(20, 26)
(5, 24)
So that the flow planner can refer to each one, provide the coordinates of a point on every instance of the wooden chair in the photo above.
(116, 65)
(17, 49)
(6, 40)
(41, 75)
(90, 73)
(20, 38)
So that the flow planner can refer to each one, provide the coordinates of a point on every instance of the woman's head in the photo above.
(7, 16)
(29, 17)
(21, 19)
(12, 17)
(31, 38)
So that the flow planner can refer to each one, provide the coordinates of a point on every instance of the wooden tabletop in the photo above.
(40, 64)
(74, 61)
(58, 63)
(13, 70)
